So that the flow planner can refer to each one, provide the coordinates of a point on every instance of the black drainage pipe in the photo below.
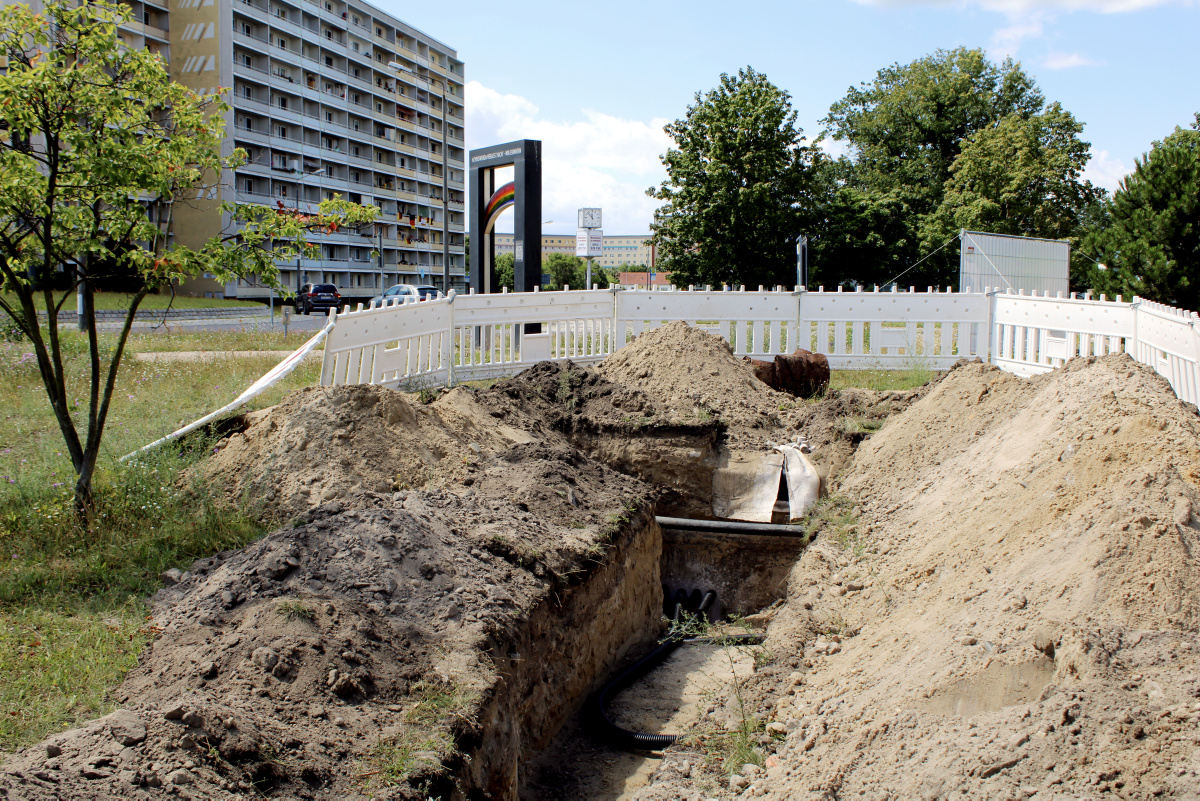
(640, 741)
(731, 527)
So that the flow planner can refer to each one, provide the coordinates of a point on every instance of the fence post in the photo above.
(450, 340)
(993, 334)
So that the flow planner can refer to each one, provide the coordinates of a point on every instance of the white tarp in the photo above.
(748, 486)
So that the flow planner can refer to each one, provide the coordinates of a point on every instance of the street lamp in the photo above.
(445, 176)
(299, 282)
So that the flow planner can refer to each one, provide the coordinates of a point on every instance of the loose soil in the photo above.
(1015, 614)
(1012, 610)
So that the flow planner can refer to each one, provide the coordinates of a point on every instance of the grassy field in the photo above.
(72, 599)
(72, 609)
(108, 301)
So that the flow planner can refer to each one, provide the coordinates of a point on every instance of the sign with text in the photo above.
(589, 242)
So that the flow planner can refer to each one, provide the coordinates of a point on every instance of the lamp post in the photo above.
(299, 189)
(445, 176)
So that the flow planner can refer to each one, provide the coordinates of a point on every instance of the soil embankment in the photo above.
(451, 580)
(1014, 613)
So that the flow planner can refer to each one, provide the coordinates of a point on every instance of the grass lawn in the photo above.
(119, 300)
(72, 608)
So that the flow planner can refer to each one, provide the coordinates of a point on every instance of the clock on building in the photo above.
(589, 218)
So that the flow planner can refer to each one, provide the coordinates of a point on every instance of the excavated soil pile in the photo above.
(1015, 613)
(385, 634)
(690, 373)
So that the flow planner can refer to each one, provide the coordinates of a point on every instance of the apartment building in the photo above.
(328, 98)
(618, 249)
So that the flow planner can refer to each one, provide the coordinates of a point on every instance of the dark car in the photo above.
(317, 296)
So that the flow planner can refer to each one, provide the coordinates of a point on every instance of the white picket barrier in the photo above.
(894, 330)
(1168, 341)
(759, 324)
(468, 337)
(397, 345)
(1036, 333)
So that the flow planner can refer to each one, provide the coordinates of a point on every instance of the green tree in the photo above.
(737, 182)
(506, 274)
(97, 146)
(1150, 236)
(904, 131)
(567, 270)
(1020, 177)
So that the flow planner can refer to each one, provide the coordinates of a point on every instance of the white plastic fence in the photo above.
(467, 337)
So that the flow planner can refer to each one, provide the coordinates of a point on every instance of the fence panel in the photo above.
(488, 334)
(1034, 334)
(398, 345)
(896, 330)
(759, 324)
(1167, 341)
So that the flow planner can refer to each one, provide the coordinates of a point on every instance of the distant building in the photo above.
(329, 97)
(644, 280)
(618, 249)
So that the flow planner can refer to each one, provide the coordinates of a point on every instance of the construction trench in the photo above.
(995, 596)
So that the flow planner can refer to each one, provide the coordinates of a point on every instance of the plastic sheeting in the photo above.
(269, 379)
(747, 488)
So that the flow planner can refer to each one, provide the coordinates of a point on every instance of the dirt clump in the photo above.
(1013, 613)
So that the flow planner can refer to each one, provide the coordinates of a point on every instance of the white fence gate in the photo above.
(468, 337)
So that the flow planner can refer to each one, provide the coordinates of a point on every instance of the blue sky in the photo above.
(597, 81)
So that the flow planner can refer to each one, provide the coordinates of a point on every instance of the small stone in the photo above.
(837, 591)
(126, 727)
(53, 750)
(94, 773)
(855, 586)
(192, 720)
(153, 780)
(1043, 640)
(227, 598)
(207, 670)
(174, 712)
(265, 658)
(339, 722)
(179, 777)
(775, 727)
(750, 769)
(738, 782)
(1019, 602)
(172, 577)
(968, 640)
(771, 762)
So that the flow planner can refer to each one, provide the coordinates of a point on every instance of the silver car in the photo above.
(406, 293)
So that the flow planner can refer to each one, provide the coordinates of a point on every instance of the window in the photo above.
(354, 46)
(283, 103)
(355, 149)
(357, 98)
(328, 116)
(250, 185)
(248, 92)
(357, 21)
(328, 34)
(246, 29)
(280, 12)
(378, 31)
(356, 75)
(354, 178)
(328, 61)
(379, 107)
(379, 157)
(282, 43)
(249, 124)
(282, 132)
(248, 59)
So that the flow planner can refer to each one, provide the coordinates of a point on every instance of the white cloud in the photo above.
(601, 160)
(1066, 61)
(1006, 41)
(1105, 170)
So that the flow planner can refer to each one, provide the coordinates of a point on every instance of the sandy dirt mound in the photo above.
(1015, 612)
(691, 373)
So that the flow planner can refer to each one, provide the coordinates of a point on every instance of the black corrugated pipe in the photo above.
(731, 526)
(640, 741)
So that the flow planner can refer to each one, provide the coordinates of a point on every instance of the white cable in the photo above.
(269, 379)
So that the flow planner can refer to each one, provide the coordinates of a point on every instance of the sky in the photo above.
(596, 82)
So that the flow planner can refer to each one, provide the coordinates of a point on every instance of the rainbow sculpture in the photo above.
(505, 197)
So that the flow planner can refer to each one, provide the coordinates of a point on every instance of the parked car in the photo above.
(317, 296)
(406, 293)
